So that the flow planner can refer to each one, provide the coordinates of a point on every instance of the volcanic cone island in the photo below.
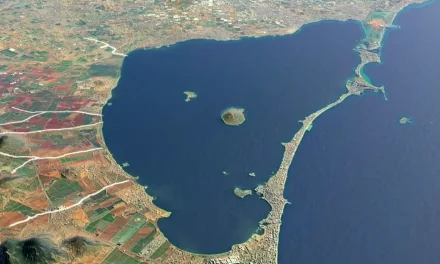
(233, 116)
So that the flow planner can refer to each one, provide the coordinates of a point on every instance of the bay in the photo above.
(181, 149)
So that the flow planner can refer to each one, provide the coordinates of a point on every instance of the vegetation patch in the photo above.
(8, 53)
(104, 70)
(118, 257)
(130, 229)
(161, 250)
(13, 206)
(61, 189)
(63, 66)
(82, 60)
(143, 242)
(77, 158)
(28, 184)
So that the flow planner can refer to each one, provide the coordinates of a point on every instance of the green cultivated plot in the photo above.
(27, 170)
(52, 137)
(47, 115)
(53, 106)
(40, 55)
(118, 257)
(13, 116)
(90, 228)
(82, 60)
(81, 23)
(13, 206)
(98, 198)
(109, 218)
(7, 99)
(34, 86)
(143, 242)
(63, 66)
(94, 142)
(8, 53)
(91, 47)
(36, 56)
(37, 128)
(101, 223)
(104, 70)
(99, 214)
(7, 164)
(10, 78)
(84, 76)
(130, 229)
(87, 120)
(24, 84)
(28, 184)
(161, 250)
(63, 115)
(77, 158)
(38, 106)
(61, 189)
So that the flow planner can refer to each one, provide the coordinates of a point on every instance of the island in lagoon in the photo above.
(190, 95)
(233, 116)
(405, 120)
(242, 193)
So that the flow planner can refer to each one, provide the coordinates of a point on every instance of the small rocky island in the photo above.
(233, 116)
(405, 120)
(190, 95)
(242, 193)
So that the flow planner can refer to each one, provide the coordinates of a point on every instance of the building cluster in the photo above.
(224, 260)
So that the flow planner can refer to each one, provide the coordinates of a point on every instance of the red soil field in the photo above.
(10, 217)
(377, 24)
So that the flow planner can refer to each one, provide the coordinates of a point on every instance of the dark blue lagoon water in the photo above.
(363, 188)
(180, 149)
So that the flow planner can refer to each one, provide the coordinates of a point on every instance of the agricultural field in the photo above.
(113, 221)
(118, 257)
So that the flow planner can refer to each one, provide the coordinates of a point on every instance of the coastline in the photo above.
(290, 147)
(407, 8)
(334, 192)
(189, 42)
